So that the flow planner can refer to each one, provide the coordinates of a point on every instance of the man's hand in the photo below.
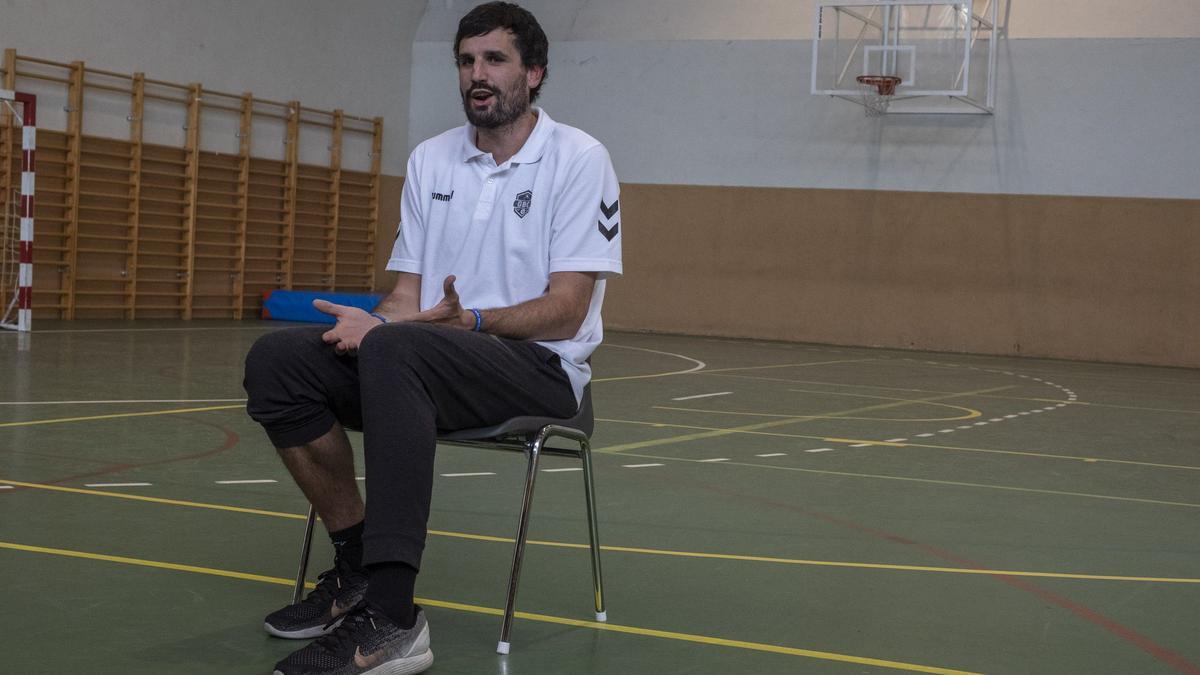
(352, 324)
(448, 311)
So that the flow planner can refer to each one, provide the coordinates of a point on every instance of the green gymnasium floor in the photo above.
(765, 507)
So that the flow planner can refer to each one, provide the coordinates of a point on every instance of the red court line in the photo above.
(231, 439)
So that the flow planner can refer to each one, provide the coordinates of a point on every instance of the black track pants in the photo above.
(407, 381)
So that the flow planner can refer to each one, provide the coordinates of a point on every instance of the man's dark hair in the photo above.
(530, 39)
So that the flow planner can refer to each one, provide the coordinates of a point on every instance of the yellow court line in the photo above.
(174, 411)
(971, 414)
(931, 481)
(857, 441)
(627, 549)
(492, 611)
(154, 500)
(792, 420)
(825, 563)
(1090, 404)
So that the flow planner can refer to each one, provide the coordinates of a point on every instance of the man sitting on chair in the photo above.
(509, 226)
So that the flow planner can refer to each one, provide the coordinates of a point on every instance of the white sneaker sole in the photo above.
(406, 666)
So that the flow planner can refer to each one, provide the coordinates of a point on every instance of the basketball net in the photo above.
(876, 92)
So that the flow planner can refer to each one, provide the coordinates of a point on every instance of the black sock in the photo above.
(390, 589)
(348, 546)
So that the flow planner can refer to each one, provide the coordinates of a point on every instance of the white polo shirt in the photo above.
(501, 230)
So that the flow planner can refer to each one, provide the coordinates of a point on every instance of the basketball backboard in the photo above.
(943, 51)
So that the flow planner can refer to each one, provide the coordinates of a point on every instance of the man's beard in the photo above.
(508, 107)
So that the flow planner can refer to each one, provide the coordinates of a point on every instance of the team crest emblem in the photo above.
(521, 204)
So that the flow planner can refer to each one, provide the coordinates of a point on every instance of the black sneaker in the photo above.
(366, 643)
(338, 590)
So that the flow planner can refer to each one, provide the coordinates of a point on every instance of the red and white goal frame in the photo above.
(24, 109)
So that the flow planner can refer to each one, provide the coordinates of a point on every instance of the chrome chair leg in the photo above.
(589, 487)
(534, 451)
(305, 548)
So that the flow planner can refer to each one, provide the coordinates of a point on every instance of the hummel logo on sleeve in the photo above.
(609, 212)
(439, 197)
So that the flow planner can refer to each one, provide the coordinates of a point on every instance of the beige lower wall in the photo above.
(1069, 277)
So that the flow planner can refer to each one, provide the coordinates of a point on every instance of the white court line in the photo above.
(715, 459)
(132, 400)
(360, 478)
(640, 466)
(569, 468)
(117, 484)
(772, 454)
(820, 450)
(700, 365)
(895, 440)
(924, 435)
(688, 398)
(862, 445)
(6, 487)
(246, 482)
(465, 475)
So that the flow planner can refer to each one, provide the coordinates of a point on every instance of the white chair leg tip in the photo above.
(602, 616)
(503, 647)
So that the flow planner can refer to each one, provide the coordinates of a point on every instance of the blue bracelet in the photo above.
(478, 320)
(382, 318)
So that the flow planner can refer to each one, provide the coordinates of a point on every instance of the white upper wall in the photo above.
(352, 54)
(1091, 116)
(618, 20)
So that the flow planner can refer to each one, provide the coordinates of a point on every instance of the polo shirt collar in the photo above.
(531, 152)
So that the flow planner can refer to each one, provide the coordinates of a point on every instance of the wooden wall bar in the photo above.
(131, 229)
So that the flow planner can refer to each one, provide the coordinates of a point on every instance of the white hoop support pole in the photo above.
(28, 166)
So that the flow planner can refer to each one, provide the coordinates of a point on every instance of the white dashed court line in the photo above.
(569, 468)
(99, 485)
(246, 482)
(468, 474)
(640, 466)
(772, 454)
(360, 478)
(716, 459)
(6, 487)
(862, 445)
(688, 398)
(895, 440)
(820, 450)
(925, 435)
